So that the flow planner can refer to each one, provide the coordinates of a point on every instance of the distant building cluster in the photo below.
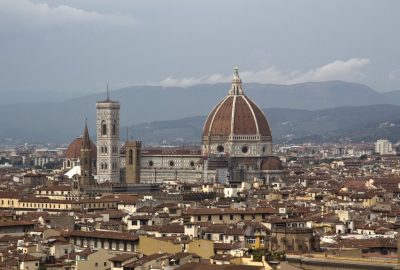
(384, 147)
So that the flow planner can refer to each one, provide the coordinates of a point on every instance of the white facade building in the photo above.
(383, 147)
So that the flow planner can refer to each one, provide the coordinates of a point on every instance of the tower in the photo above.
(108, 140)
(86, 159)
(132, 161)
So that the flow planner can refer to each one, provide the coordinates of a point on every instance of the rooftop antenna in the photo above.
(127, 134)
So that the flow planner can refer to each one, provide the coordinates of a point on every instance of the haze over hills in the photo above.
(306, 103)
(365, 123)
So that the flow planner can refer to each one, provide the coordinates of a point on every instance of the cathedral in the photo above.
(236, 147)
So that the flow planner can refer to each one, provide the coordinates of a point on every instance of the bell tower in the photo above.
(132, 161)
(86, 159)
(108, 163)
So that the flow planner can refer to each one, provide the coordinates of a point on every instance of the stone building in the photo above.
(298, 240)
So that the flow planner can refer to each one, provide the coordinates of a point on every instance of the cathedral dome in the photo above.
(236, 114)
(74, 149)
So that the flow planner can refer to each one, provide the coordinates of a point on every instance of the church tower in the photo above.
(86, 159)
(132, 161)
(108, 141)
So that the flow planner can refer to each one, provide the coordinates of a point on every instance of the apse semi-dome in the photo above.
(236, 119)
(74, 149)
(271, 164)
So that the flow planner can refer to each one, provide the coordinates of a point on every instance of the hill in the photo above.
(62, 121)
(364, 123)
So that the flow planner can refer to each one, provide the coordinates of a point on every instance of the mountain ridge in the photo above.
(63, 120)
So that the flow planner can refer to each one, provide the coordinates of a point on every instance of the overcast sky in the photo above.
(80, 45)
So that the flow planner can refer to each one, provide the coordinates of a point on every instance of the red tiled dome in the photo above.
(74, 149)
(271, 164)
(236, 114)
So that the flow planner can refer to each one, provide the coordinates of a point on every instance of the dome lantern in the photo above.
(236, 88)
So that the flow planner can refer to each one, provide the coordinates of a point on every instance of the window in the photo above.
(130, 157)
(220, 148)
(231, 217)
(103, 128)
(151, 163)
(96, 264)
(245, 149)
(105, 263)
(171, 163)
(250, 241)
(114, 129)
(220, 217)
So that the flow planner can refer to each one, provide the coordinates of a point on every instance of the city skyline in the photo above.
(199, 135)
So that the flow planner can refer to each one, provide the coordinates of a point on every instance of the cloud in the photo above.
(349, 70)
(394, 75)
(25, 14)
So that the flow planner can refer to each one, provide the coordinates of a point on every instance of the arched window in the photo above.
(103, 128)
(102, 166)
(114, 129)
(130, 157)
(105, 149)
(105, 166)
(68, 163)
